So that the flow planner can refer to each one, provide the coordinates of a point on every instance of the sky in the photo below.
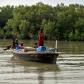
(32, 2)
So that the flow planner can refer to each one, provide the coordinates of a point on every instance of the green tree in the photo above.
(24, 28)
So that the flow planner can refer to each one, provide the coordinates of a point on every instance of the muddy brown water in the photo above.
(69, 68)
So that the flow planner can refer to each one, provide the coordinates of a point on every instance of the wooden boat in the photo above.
(47, 57)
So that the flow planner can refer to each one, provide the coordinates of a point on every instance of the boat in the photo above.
(32, 55)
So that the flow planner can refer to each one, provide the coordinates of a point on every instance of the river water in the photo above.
(69, 68)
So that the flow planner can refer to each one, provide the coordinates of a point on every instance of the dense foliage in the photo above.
(60, 22)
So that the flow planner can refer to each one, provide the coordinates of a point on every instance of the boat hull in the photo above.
(45, 57)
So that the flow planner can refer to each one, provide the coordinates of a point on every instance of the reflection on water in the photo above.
(16, 71)
(72, 69)
(68, 70)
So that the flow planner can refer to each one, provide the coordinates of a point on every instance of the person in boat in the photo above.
(13, 45)
(41, 37)
(41, 46)
(20, 46)
(14, 41)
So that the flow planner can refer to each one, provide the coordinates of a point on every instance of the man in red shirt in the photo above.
(41, 47)
(41, 38)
